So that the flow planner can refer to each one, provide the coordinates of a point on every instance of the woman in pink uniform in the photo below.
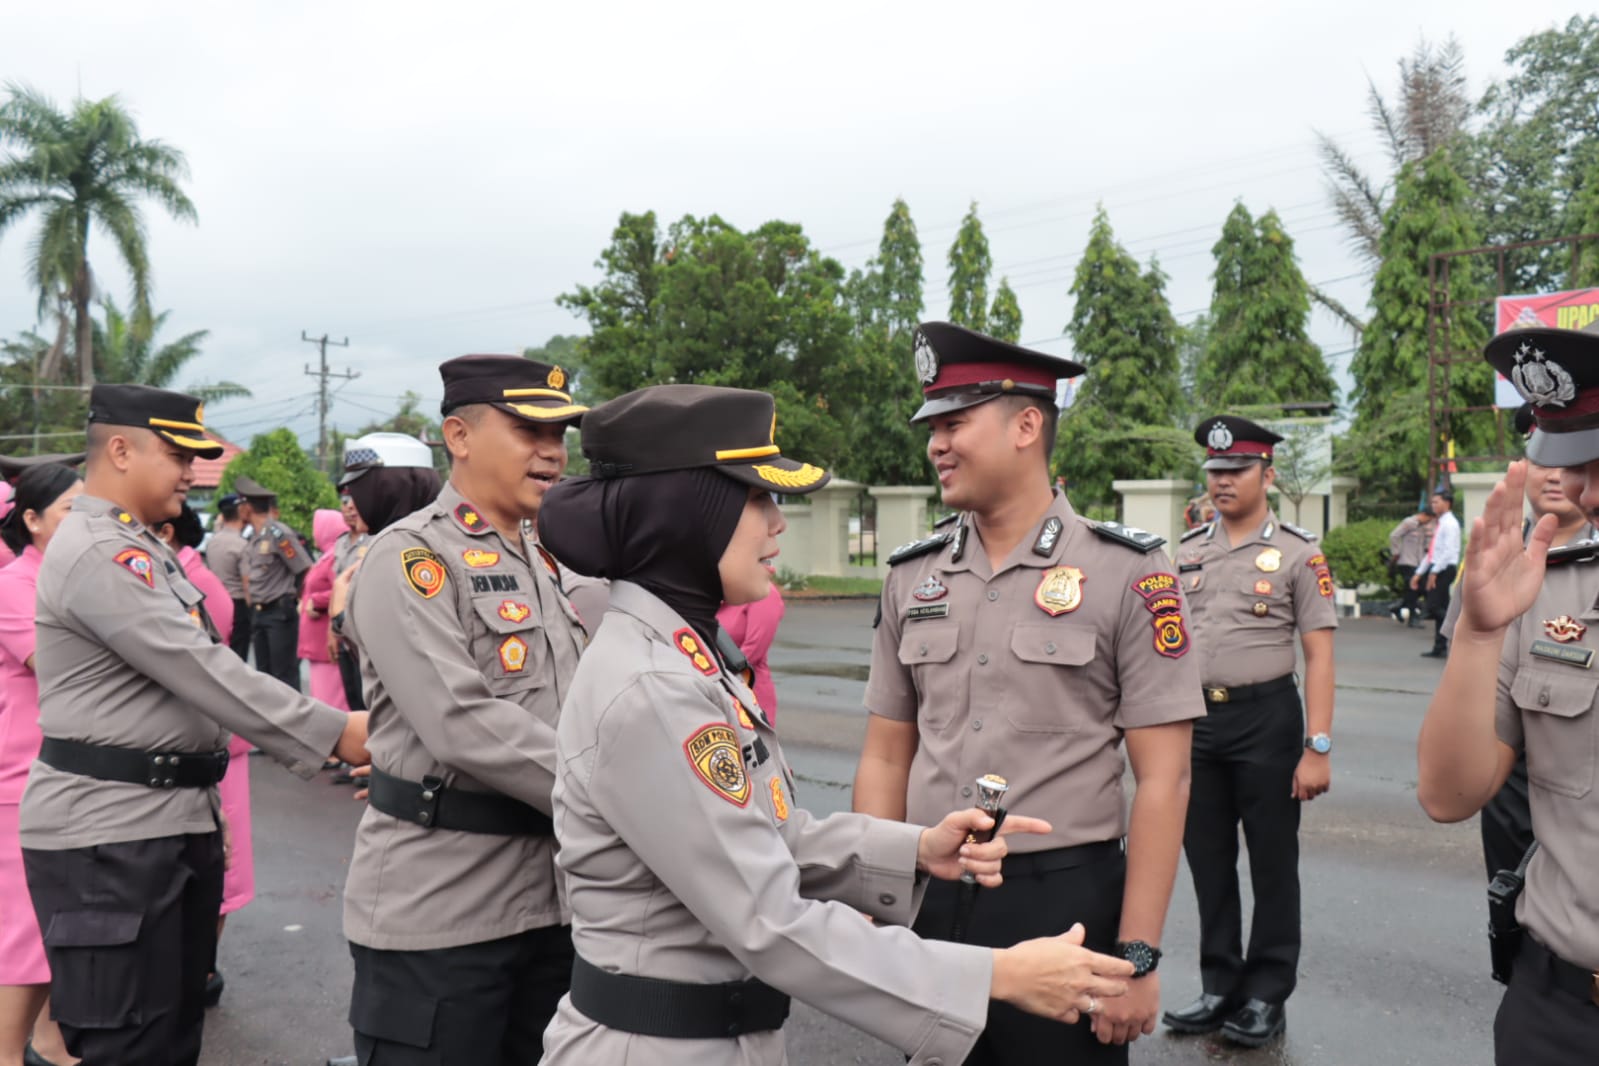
(43, 496)
(316, 648)
(184, 534)
(753, 627)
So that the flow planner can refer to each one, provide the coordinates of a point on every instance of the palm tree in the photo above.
(126, 352)
(74, 169)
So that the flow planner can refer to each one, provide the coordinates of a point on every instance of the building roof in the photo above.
(208, 472)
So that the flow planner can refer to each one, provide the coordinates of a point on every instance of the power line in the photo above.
(322, 375)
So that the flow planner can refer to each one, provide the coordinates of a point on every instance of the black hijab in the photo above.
(385, 495)
(665, 532)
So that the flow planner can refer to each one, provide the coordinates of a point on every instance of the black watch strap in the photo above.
(1144, 957)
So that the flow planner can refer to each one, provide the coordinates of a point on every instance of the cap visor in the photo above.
(1232, 462)
(779, 475)
(353, 475)
(200, 446)
(537, 412)
(959, 401)
(1563, 449)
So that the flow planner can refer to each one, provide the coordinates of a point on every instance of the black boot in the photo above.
(1440, 650)
(1256, 1023)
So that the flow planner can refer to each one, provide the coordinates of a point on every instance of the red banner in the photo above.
(1573, 309)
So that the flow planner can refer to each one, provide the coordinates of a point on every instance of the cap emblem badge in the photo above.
(1220, 437)
(556, 378)
(926, 359)
(1540, 381)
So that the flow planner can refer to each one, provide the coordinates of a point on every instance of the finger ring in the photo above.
(1093, 1005)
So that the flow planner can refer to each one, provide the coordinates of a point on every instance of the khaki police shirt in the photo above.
(1033, 672)
(689, 858)
(126, 658)
(1249, 598)
(227, 555)
(347, 549)
(467, 649)
(1407, 544)
(277, 557)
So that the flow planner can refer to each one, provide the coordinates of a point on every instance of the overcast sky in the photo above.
(424, 179)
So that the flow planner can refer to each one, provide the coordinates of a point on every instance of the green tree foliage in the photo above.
(1258, 351)
(1005, 317)
(277, 461)
(126, 352)
(1123, 421)
(57, 414)
(1387, 445)
(969, 267)
(74, 170)
(409, 418)
(1355, 554)
(708, 304)
(567, 353)
(1585, 271)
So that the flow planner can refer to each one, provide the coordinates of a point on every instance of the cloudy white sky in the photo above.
(425, 178)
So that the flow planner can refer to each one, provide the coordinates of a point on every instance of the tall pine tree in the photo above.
(1005, 317)
(1123, 422)
(969, 266)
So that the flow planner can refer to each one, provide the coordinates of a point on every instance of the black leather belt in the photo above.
(270, 604)
(1043, 862)
(153, 769)
(1245, 693)
(652, 1006)
(431, 805)
(1567, 976)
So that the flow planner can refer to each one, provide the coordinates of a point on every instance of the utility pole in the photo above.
(323, 373)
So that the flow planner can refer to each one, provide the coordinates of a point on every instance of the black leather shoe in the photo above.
(1256, 1023)
(1204, 1015)
(1436, 653)
(214, 984)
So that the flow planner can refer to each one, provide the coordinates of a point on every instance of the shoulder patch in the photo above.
(286, 546)
(1197, 531)
(424, 571)
(712, 751)
(688, 642)
(1581, 551)
(917, 547)
(470, 520)
(137, 562)
(1302, 534)
(946, 520)
(1138, 539)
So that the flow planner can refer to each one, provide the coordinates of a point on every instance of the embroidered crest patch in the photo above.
(1263, 587)
(1171, 638)
(689, 645)
(469, 518)
(286, 546)
(512, 611)
(931, 589)
(1324, 581)
(1165, 603)
(1153, 584)
(137, 562)
(513, 654)
(744, 718)
(477, 558)
(779, 801)
(424, 572)
(713, 752)
(1564, 628)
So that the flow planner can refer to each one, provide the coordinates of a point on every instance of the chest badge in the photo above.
(1060, 591)
(689, 645)
(1260, 609)
(1263, 587)
(931, 589)
(477, 558)
(512, 611)
(1565, 628)
(513, 655)
(1269, 561)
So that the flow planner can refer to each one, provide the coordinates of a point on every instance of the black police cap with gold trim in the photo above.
(1233, 443)
(522, 387)
(959, 368)
(1557, 372)
(172, 415)
(680, 427)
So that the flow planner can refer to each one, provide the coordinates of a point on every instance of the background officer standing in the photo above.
(277, 561)
(227, 554)
(120, 825)
(1407, 543)
(467, 645)
(1031, 643)
(1435, 576)
(1252, 581)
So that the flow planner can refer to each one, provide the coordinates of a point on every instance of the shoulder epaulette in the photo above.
(946, 520)
(1197, 531)
(1302, 534)
(1138, 539)
(918, 547)
(1581, 551)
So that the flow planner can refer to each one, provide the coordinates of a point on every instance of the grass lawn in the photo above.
(837, 586)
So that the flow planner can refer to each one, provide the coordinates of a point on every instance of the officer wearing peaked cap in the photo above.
(1520, 679)
(138, 697)
(1031, 643)
(278, 560)
(467, 648)
(1252, 582)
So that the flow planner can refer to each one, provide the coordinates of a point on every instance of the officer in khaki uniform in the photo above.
(227, 554)
(1252, 582)
(467, 645)
(703, 894)
(277, 561)
(1031, 643)
(120, 824)
(1521, 679)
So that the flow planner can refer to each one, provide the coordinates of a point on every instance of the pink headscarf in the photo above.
(326, 527)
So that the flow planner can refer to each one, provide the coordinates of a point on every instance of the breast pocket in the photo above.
(509, 646)
(1560, 727)
(929, 650)
(1062, 651)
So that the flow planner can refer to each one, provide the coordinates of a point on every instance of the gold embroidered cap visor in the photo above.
(521, 387)
(1557, 372)
(177, 417)
(681, 427)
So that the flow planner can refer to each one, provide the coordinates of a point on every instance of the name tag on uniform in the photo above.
(1186, 568)
(1563, 653)
(926, 611)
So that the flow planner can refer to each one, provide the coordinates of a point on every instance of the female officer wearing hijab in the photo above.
(702, 895)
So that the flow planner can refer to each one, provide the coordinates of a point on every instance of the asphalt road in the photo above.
(1394, 971)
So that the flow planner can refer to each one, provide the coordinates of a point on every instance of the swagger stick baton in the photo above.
(991, 789)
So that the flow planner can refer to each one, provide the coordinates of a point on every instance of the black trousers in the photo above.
(243, 623)
(1507, 822)
(129, 930)
(1438, 599)
(1539, 1024)
(1412, 597)
(1043, 902)
(350, 674)
(485, 1004)
(1244, 757)
(277, 640)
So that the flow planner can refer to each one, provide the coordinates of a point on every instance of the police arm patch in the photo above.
(712, 751)
(1171, 636)
(424, 571)
(137, 562)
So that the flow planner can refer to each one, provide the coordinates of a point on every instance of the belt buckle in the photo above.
(1216, 695)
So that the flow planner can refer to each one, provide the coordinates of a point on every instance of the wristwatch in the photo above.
(1321, 743)
(1143, 957)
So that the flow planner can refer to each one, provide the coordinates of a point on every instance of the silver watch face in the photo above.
(1321, 743)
